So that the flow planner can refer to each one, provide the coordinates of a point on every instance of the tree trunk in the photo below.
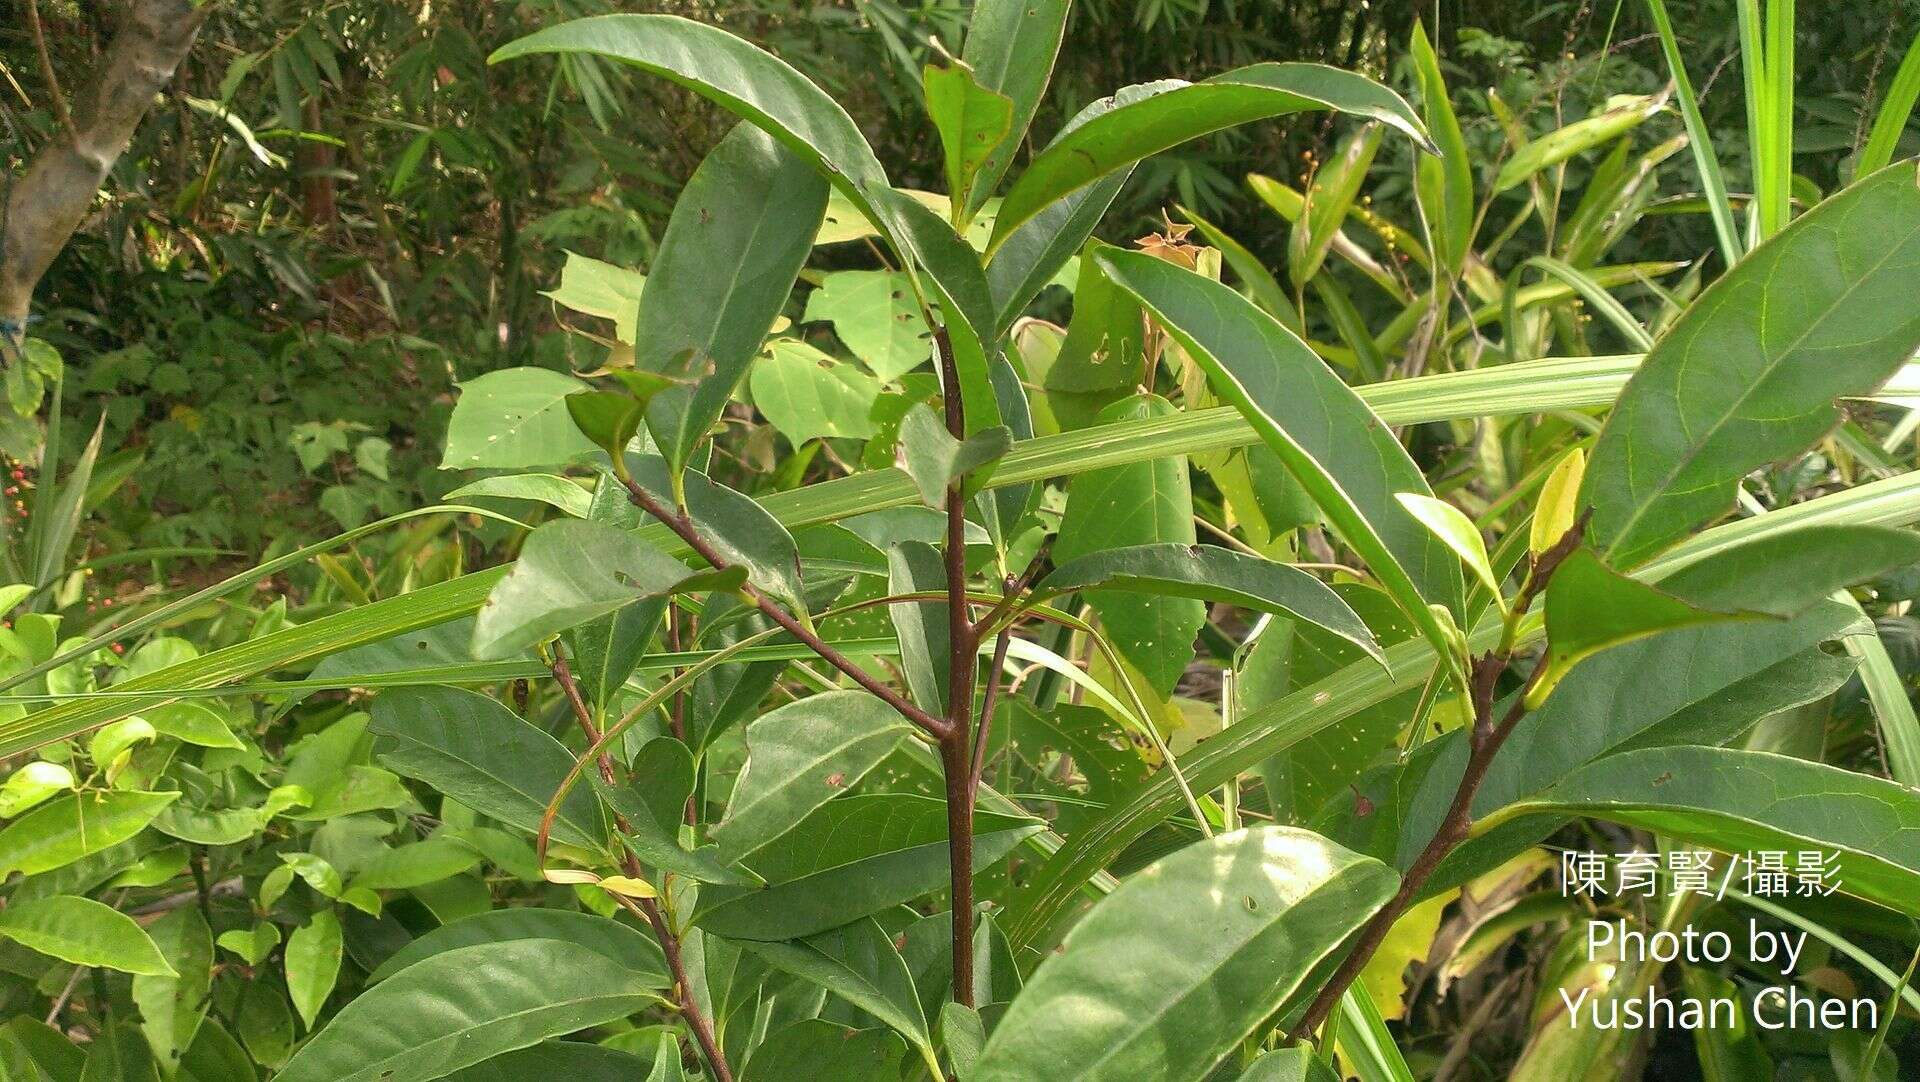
(48, 200)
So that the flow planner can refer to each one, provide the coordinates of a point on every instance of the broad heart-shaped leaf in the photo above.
(596, 288)
(512, 419)
(800, 756)
(972, 122)
(1182, 111)
(84, 932)
(630, 946)
(1339, 451)
(1011, 46)
(172, 1007)
(806, 394)
(739, 233)
(874, 314)
(860, 964)
(1748, 374)
(1143, 503)
(576, 570)
(1749, 801)
(1166, 975)
(471, 748)
(68, 828)
(1210, 573)
(313, 958)
(852, 857)
(734, 523)
(934, 459)
(465, 1006)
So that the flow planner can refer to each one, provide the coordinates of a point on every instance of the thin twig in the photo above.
(54, 96)
(647, 908)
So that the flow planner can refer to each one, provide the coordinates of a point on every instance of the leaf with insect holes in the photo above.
(971, 120)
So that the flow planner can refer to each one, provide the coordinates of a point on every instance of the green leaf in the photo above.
(1208, 573)
(119, 1055)
(611, 939)
(473, 749)
(173, 1007)
(1784, 574)
(84, 932)
(1295, 1064)
(215, 1056)
(571, 1060)
(806, 394)
(1035, 254)
(1144, 504)
(1443, 182)
(1328, 199)
(1177, 111)
(972, 121)
(193, 723)
(31, 784)
(964, 1035)
(735, 524)
(465, 1006)
(817, 1048)
(740, 231)
(1895, 109)
(1456, 531)
(555, 491)
(850, 858)
(1591, 607)
(513, 419)
(1726, 391)
(594, 288)
(576, 570)
(800, 756)
(63, 831)
(1339, 451)
(922, 627)
(935, 460)
(1621, 115)
(604, 652)
(252, 945)
(1748, 801)
(860, 964)
(1011, 46)
(415, 864)
(875, 314)
(1133, 994)
(313, 963)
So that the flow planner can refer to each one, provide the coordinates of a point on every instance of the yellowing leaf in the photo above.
(1407, 942)
(628, 887)
(1559, 502)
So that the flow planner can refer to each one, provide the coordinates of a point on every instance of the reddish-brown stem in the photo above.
(963, 657)
(1484, 742)
(647, 908)
(984, 728)
(683, 527)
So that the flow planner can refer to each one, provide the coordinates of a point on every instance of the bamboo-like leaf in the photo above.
(1175, 111)
(1443, 183)
(1699, 139)
(1895, 109)
(1619, 117)
(1329, 198)
(1134, 995)
(1749, 374)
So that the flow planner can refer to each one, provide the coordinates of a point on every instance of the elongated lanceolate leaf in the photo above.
(1750, 372)
(740, 231)
(1011, 45)
(1170, 972)
(1181, 111)
(573, 571)
(1339, 451)
(466, 1006)
(84, 932)
(632, 947)
(1210, 573)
